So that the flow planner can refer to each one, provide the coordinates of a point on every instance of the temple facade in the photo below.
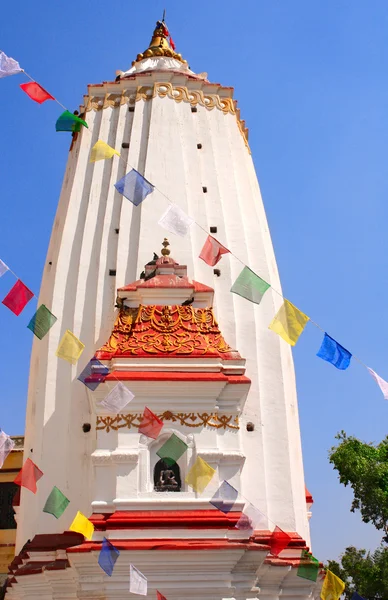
(168, 328)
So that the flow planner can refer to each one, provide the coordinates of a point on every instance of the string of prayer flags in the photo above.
(212, 251)
(3, 268)
(42, 321)
(81, 524)
(250, 286)
(93, 374)
(70, 348)
(107, 557)
(28, 476)
(289, 322)
(117, 398)
(101, 151)
(160, 596)
(334, 353)
(279, 541)
(36, 92)
(308, 566)
(383, 385)
(251, 519)
(172, 450)
(6, 446)
(200, 475)
(150, 424)
(56, 503)
(333, 587)
(8, 66)
(134, 187)
(137, 582)
(17, 298)
(69, 122)
(176, 220)
(225, 497)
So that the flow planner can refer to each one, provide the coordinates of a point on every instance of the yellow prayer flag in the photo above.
(82, 525)
(332, 587)
(199, 475)
(101, 150)
(70, 348)
(289, 322)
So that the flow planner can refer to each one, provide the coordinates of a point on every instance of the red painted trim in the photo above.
(176, 376)
(309, 498)
(160, 519)
(172, 544)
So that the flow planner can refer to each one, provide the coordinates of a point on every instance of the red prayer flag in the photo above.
(28, 475)
(171, 42)
(279, 541)
(212, 251)
(17, 297)
(160, 596)
(150, 424)
(36, 92)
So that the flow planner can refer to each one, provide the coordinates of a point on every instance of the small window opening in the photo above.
(250, 426)
(204, 189)
(217, 272)
(193, 109)
(117, 230)
(213, 229)
(86, 427)
(131, 109)
(167, 478)
(125, 145)
(199, 146)
(112, 272)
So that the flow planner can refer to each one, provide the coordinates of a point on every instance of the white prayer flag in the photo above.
(6, 446)
(3, 268)
(176, 220)
(117, 399)
(137, 581)
(8, 66)
(383, 385)
(252, 519)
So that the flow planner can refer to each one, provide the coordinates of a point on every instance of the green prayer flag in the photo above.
(69, 122)
(308, 566)
(172, 450)
(56, 503)
(41, 322)
(250, 286)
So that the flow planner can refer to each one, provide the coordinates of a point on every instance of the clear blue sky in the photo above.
(311, 81)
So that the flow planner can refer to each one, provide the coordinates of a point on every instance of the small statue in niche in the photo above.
(167, 477)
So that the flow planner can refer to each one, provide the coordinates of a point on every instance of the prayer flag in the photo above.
(200, 475)
(356, 596)
(334, 353)
(172, 450)
(3, 268)
(69, 122)
(56, 503)
(150, 424)
(251, 519)
(101, 150)
(308, 566)
(171, 41)
(18, 297)
(289, 322)
(6, 446)
(107, 557)
(117, 398)
(250, 286)
(332, 587)
(383, 385)
(36, 92)
(8, 66)
(93, 374)
(212, 251)
(160, 596)
(82, 525)
(28, 476)
(225, 497)
(137, 582)
(134, 187)
(176, 220)
(41, 322)
(70, 347)
(279, 541)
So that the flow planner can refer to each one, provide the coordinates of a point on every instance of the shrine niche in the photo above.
(167, 478)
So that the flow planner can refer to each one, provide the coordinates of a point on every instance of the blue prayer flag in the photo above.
(107, 557)
(134, 187)
(225, 497)
(356, 596)
(93, 374)
(334, 353)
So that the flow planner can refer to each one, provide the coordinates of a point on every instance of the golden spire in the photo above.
(159, 45)
(165, 251)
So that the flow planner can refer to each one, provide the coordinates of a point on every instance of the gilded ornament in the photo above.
(129, 421)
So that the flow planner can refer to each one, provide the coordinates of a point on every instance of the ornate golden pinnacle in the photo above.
(165, 251)
(159, 46)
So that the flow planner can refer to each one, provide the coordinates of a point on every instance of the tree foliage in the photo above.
(364, 466)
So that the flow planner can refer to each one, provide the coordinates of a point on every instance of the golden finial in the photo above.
(165, 251)
(159, 45)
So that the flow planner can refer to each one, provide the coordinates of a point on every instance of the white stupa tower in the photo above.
(224, 384)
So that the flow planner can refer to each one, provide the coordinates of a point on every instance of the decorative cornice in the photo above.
(187, 419)
(104, 457)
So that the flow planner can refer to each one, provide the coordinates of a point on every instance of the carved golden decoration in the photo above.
(188, 419)
(159, 46)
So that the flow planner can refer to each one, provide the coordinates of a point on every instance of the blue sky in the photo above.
(311, 81)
